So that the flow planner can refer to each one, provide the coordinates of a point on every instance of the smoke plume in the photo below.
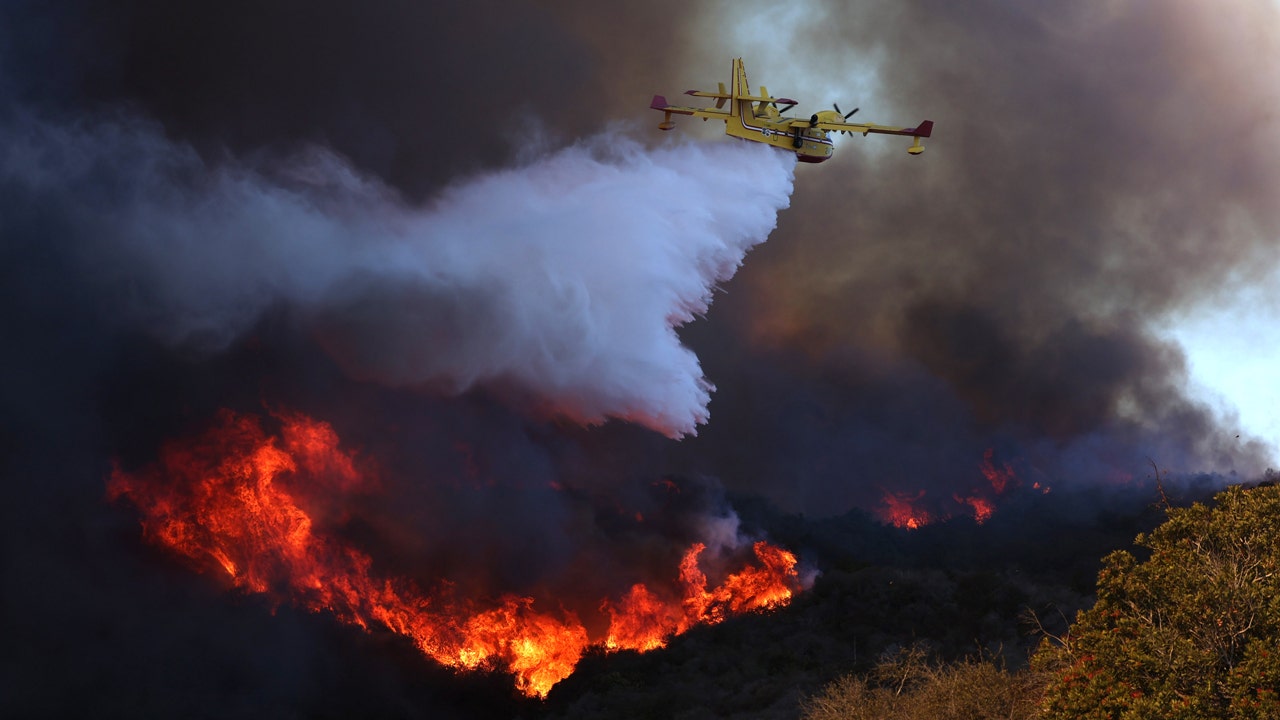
(1094, 172)
(565, 277)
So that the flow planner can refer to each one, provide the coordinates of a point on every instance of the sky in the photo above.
(1233, 350)
(453, 231)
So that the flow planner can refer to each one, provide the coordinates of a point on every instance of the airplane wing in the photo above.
(660, 103)
(924, 129)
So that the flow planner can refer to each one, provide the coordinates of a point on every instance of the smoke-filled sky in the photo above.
(453, 231)
(1098, 174)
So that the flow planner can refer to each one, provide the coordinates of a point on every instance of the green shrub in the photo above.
(1192, 632)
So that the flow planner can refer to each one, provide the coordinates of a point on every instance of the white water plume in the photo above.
(565, 277)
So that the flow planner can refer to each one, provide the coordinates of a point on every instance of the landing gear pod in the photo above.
(660, 103)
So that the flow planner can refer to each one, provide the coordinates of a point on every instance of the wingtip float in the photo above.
(759, 119)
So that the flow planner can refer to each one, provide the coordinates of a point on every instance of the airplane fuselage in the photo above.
(809, 144)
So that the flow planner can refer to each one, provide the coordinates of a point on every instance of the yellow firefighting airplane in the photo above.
(758, 118)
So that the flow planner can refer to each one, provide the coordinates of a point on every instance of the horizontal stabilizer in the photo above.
(756, 98)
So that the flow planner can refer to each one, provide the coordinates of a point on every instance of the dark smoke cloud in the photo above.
(1093, 170)
(415, 93)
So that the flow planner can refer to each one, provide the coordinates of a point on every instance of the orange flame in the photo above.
(900, 510)
(983, 508)
(232, 502)
(642, 621)
(999, 477)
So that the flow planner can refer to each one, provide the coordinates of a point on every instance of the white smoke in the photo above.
(566, 277)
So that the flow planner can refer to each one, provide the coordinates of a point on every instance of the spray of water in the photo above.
(565, 277)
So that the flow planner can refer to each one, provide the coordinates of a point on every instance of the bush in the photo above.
(906, 686)
(1192, 632)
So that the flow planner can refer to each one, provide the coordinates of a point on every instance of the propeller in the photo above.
(846, 115)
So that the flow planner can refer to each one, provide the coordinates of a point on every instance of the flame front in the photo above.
(240, 502)
(642, 621)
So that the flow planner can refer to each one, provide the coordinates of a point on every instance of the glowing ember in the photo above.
(982, 507)
(233, 502)
(999, 477)
(901, 511)
(904, 510)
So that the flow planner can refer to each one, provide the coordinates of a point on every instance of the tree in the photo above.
(1193, 631)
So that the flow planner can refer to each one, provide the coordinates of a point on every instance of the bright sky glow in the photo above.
(772, 42)
(1233, 350)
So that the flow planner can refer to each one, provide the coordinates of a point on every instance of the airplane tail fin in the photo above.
(923, 130)
(740, 86)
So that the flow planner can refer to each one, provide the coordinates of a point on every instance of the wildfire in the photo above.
(240, 502)
(900, 510)
(642, 621)
(982, 508)
(903, 509)
(999, 477)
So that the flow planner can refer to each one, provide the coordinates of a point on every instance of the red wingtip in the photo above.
(659, 103)
(924, 129)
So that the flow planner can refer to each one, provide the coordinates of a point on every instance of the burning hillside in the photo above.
(243, 503)
(440, 240)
